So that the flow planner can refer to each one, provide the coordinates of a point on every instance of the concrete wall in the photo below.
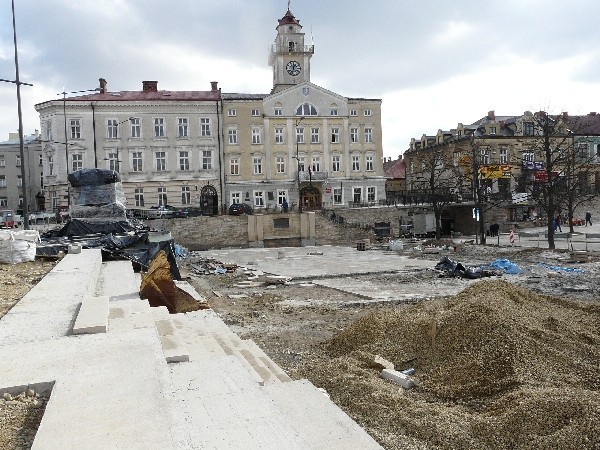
(203, 233)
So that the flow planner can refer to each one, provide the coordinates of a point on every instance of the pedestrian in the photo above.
(284, 205)
(588, 218)
(557, 223)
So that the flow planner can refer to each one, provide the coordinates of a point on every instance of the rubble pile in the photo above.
(500, 367)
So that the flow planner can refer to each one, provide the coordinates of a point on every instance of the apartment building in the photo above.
(11, 178)
(165, 144)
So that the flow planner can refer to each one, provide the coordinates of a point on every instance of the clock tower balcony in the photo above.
(298, 49)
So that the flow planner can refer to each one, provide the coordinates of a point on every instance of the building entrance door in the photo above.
(209, 201)
(311, 198)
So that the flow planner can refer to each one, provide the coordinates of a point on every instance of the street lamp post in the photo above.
(298, 163)
(118, 161)
(64, 94)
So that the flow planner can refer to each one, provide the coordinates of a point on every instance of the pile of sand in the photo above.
(500, 366)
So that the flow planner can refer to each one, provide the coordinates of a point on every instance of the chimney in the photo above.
(213, 85)
(103, 84)
(593, 113)
(491, 115)
(565, 116)
(150, 86)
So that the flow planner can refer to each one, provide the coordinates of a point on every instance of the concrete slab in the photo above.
(92, 316)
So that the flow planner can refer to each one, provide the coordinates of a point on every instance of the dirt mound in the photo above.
(501, 367)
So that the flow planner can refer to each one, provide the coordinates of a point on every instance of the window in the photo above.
(182, 127)
(112, 160)
(355, 162)
(354, 135)
(42, 180)
(314, 135)
(206, 159)
(259, 199)
(528, 156)
(159, 127)
(369, 162)
(54, 197)
(281, 196)
(371, 194)
(335, 163)
(456, 158)
(2, 161)
(353, 113)
(368, 112)
(255, 136)
(161, 161)
(257, 165)
(136, 161)
(485, 156)
(337, 196)
(335, 135)
(492, 130)
(136, 127)
(333, 112)
(186, 195)
(18, 160)
(232, 133)
(280, 164)
(234, 166)
(20, 201)
(369, 135)
(255, 113)
(75, 128)
(205, 127)
(357, 195)
(231, 112)
(3, 201)
(278, 111)
(583, 149)
(162, 196)
(306, 110)
(300, 135)
(528, 128)
(2, 181)
(49, 131)
(50, 165)
(184, 160)
(77, 162)
(316, 163)
(279, 135)
(301, 163)
(503, 155)
(138, 196)
(112, 129)
(41, 159)
(236, 197)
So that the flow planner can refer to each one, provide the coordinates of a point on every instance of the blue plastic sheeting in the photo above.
(561, 269)
(506, 266)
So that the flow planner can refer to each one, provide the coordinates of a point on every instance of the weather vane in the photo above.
(289, 1)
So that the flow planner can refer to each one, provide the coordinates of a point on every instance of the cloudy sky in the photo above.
(434, 63)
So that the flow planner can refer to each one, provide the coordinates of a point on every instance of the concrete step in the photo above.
(173, 345)
(227, 410)
(128, 314)
(118, 280)
(92, 317)
(273, 367)
(317, 418)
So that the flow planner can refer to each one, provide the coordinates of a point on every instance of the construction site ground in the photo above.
(341, 307)
(509, 361)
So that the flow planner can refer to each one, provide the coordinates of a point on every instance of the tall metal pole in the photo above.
(24, 182)
(66, 148)
(298, 164)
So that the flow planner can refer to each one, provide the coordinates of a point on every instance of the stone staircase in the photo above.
(126, 375)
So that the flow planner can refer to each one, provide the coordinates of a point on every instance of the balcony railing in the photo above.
(306, 175)
(295, 49)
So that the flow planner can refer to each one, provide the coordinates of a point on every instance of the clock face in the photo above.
(293, 68)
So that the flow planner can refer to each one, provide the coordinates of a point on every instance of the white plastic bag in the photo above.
(18, 246)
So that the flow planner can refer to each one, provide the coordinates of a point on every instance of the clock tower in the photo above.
(289, 57)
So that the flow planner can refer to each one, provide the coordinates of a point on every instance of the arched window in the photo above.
(306, 110)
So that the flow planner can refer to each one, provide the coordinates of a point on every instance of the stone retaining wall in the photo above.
(204, 233)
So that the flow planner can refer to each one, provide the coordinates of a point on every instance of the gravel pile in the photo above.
(20, 417)
(500, 367)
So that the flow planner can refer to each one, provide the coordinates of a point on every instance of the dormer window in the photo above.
(306, 110)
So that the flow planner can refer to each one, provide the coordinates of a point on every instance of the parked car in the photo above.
(37, 216)
(62, 214)
(7, 219)
(237, 209)
(167, 212)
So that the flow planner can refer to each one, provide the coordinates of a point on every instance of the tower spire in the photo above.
(289, 1)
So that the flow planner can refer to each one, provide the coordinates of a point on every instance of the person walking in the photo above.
(588, 218)
(557, 224)
(284, 205)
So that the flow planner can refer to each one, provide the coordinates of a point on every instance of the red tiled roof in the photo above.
(149, 95)
(395, 169)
